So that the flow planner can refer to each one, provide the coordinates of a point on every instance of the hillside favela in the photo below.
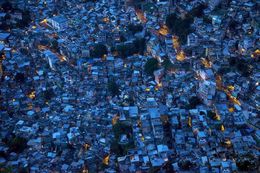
(129, 86)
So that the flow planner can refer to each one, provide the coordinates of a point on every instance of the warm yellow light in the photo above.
(228, 142)
(206, 63)
(222, 128)
(234, 100)
(106, 19)
(115, 119)
(106, 160)
(231, 88)
(34, 27)
(217, 117)
(63, 58)
(164, 30)
(175, 41)
(189, 122)
(180, 56)
(44, 21)
(147, 89)
(84, 171)
(231, 109)
(86, 146)
(32, 95)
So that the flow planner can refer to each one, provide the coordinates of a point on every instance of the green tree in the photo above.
(186, 164)
(17, 144)
(167, 64)
(135, 28)
(198, 11)
(180, 27)
(194, 101)
(26, 19)
(151, 65)
(126, 50)
(55, 45)
(48, 94)
(122, 128)
(98, 51)
(139, 45)
(113, 88)
(247, 162)
(7, 6)
(4, 169)
(20, 78)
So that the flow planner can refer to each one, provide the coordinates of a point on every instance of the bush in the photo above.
(126, 50)
(122, 128)
(7, 6)
(26, 19)
(135, 28)
(185, 164)
(151, 65)
(113, 88)
(180, 27)
(194, 101)
(20, 78)
(138, 46)
(98, 51)
(55, 45)
(119, 129)
(167, 64)
(198, 11)
(241, 65)
(247, 163)
(4, 169)
(17, 144)
(48, 94)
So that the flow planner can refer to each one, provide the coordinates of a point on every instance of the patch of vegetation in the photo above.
(9, 9)
(17, 144)
(113, 88)
(125, 50)
(135, 28)
(98, 51)
(182, 26)
(6, 169)
(167, 64)
(247, 162)
(151, 65)
(193, 102)
(186, 164)
(48, 94)
(241, 65)
(20, 78)
(121, 128)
